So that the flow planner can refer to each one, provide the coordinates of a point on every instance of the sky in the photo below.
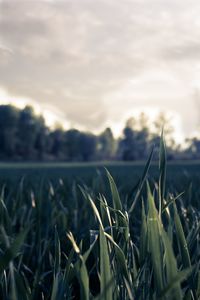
(95, 63)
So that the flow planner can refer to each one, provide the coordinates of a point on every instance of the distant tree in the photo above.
(106, 145)
(80, 146)
(135, 141)
(42, 140)
(127, 145)
(72, 144)
(57, 144)
(143, 136)
(9, 116)
(87, 144)
(25, 136)
(29, 127)
(193, 149)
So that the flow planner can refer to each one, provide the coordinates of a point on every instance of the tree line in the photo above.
(24, 136)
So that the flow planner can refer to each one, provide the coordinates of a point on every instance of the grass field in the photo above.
(180, 175)
(122, 172)
(74, 231)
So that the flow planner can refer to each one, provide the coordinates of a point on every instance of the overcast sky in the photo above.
(96, 62)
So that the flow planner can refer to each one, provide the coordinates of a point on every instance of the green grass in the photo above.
(123, 233)
(124, 173)
(181, 176)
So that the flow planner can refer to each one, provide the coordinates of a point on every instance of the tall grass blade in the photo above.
(143, 236)
(142, 182)
(55, 289)
(105, 267)
(57, 253)
(162, 169)
(182, 243)
(154, 240)
(171, 268)
(115, 197)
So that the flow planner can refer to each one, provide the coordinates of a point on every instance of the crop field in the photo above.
(130, 231)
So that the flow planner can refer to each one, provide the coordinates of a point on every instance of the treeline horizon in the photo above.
(24, 136)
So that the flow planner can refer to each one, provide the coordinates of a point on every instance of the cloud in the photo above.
(80, 55)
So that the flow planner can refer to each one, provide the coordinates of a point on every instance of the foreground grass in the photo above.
(89, 244)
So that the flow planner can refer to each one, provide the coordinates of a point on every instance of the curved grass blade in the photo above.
(142, 181)
(115, 194)
(121, 260)
(81, 270)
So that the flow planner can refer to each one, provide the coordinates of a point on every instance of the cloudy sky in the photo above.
(96, 62)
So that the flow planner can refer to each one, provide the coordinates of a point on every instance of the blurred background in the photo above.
(88, 81)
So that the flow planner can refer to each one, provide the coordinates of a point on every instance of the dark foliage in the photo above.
(24, 136)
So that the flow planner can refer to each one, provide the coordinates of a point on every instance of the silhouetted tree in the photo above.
(127, 145)
(72, 143)
(143, 136)
(106, 145)
(135, 142)
(25, 136)
(87, 142)
(9, 116)
(57, 144)
(28, 130)
(42, 140)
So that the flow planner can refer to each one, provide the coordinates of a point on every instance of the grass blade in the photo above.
(182, 243)
(105, 268)
(162, 169)
(142, 181)
(12, 251)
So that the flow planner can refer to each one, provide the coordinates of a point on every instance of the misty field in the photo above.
(86, 232)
